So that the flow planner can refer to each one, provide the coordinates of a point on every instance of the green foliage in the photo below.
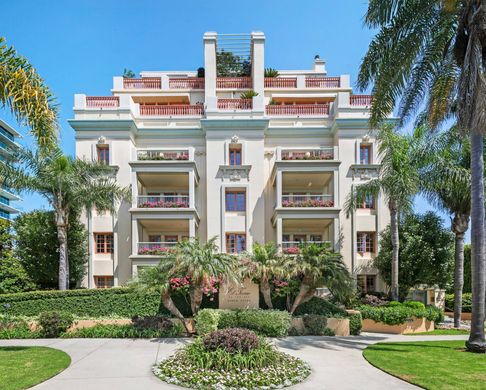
(272, 323)
(315, 325)
(128, 73)
(271, 72)
(123, 331)
(320, 306)
(38, 252)
(248, 94)
(414, 304)
(355, 324)
(466, 302)
(426, 252)
(19, 333)
(399, 314)
(231, 65)
(53, 323)
(232, 340)
(201, 72)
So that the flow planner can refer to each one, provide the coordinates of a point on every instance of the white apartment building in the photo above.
(201, 161)
(8, 145)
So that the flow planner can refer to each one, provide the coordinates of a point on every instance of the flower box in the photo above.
(413, 325)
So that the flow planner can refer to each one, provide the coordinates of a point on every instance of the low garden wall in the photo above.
(464, 316)
(413, 325)
(340, 326)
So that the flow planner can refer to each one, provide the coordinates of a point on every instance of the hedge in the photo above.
(466, 302)
(399, 314)
(117, 301)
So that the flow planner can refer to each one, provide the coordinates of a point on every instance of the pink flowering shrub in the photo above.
(293, 250)
(308, 203)
(164, 204)
(154, 250)
(303, 156)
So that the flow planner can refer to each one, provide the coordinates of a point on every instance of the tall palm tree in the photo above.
(397, 179)
(318, 266)
(66, 183)
(263, 264)
(446, 181)
(24, 92)
(432, 54)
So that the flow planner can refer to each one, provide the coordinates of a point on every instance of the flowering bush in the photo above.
(308, 156)
(164, 204)
(164, 157)
(180, 284)
(232, 340)
(211, 287)
(308, 203)
(154, 250)
(293, 250)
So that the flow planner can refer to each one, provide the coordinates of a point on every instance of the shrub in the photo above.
(19, 333)
(374, 300)
(414, 304)
(355, 324)
(315, 324)
(122, 331)
(160, 323)
(232, 340)
(394, 304)
(466, 302)
(320, 306)
(207, 321)
(53, 323)
(399, 314)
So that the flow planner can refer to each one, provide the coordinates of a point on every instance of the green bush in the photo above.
(122, 331)
(120, 301)
(414, 304)
(53, 323)
(399, 314)
(466, 302)
(19, 333)
(320, 306)
(315, 324)
(355, 324)
(272, 323)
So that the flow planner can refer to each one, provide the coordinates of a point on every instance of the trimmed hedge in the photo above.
(272, 323)
(120, 301)
(466, 302)
(399, 314)
(355, 324)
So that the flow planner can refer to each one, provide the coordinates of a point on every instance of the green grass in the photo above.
(432, 365)
(441, 332)
(23, 367)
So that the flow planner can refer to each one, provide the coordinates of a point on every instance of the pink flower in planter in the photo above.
(293, 250)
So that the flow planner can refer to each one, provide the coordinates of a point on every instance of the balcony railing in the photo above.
(307, 200)
(162, 155)
(298, 110)
(102, 101)
(163, 201)
(361, 100)
(172, 110)
(5, 133)
(322, 82)
(293, 247)
(308, 154)
(280, 82)
(186, 83)
(234, 104)
(233, 82)
(142, 83)
(155, 248)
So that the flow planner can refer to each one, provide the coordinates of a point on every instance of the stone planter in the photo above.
(340, 326)
(464, 316)
(414, 325)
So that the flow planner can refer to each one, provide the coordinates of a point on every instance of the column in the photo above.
(279, 188)
(192, 193)
(210, 70)
(279, 232)
(335, 189)
(135, 236)
(192, 227)
(90, 249)
(258, 62)
(336, 238)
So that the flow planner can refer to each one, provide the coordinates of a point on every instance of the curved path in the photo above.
(337, 362)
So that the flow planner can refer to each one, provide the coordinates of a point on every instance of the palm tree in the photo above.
(24, 92)
(397, 179)
(318, 266)
(431, 54)
(66, 183)
(445, 181)
(263, 264)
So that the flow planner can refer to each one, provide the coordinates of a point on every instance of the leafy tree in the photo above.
(318, 266)
(231, 65)
(426, 253)
(25, 93)
(37, 248)
(13, 277)
(398, 180)
(431, 54)
(128, 73)
(65, 182)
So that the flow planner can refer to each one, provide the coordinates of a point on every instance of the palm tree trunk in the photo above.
(196, 298)
(395, 249)
(169, 305)
(460, 224)
(305, 291)
(265, 290)
(476, 342)
(61, 225)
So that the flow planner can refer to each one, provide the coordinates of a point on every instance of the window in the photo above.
(155, 238)
(367, 203)
(235, 155)
(300, 238)
(315, 238)
(365, 154)
(103, 154)
(367, 283)
(170, 238)
(235, 242)
(366, 242)
(103, 281)
(235, 201)
(104, 242)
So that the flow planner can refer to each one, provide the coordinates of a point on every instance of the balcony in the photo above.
(175, 110)
(234, 104)
(142, 83)
(186, 83)
(162, 155)
(154, 248)
(307, 154)
(322, 82)
(297, 110)
(102, 101)
(280, 82)
(361, 100)
(163, 201)
(317, 200)
(234, 83)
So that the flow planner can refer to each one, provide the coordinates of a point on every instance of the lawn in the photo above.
(430, 364)
(23, 367)
(441, 332)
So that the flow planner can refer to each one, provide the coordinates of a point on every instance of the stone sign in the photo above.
(244, 295)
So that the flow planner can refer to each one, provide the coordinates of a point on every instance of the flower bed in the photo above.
(248, 364)
(308, 203)
(154, 250)
(163, 204)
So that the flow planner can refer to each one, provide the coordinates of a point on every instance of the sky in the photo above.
(78, 46)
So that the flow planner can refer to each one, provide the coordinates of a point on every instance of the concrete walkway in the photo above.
(337, 362)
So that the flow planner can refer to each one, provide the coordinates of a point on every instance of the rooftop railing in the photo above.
(171, 110)
(297, 109)
(307, 154)
(234, 104)
(163, 201)
(322, 82)
(186, 83)
(280, 82)
(162, 155)
(361, 100)
(142, 83)
(102, 101)
(307, 200)
(234, 82)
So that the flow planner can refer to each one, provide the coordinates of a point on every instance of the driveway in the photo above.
(100, 364)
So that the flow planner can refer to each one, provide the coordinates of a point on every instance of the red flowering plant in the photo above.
(293, 250)
(182, 284)
(211, 287)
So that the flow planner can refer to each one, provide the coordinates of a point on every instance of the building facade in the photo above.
(202, 161)
(8, 135)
